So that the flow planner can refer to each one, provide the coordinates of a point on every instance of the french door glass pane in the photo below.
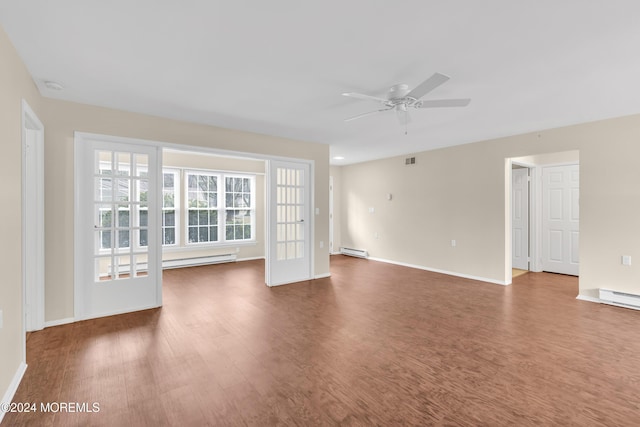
(289, 200)
(120, 198)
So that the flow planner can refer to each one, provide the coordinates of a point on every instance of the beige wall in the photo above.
(63, 118)
(15, 85)
(188, 160)
(460, 193)
(572, 156)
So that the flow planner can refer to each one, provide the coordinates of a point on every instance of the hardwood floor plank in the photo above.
(374, 344)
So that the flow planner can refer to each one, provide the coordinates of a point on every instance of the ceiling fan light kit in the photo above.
(400, 98)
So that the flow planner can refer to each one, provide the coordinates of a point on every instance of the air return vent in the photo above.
(410, 161)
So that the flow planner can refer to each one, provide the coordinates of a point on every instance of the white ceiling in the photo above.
(279, 67)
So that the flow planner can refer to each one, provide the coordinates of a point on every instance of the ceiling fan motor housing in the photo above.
(398, 91)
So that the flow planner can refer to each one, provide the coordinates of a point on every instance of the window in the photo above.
(170, 206)
(239, 208)
(221, 207)
(202, 207)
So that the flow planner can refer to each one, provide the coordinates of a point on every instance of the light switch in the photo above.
(626, 260)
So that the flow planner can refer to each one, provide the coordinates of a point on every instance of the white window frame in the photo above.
(177, 205)
(252, 208)
(187, 208)
(221, 207)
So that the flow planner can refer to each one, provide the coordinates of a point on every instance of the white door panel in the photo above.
(561, 219)
(118, 228)
(520, 218)
(289, 223)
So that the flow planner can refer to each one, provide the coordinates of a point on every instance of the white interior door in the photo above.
(560, 219)
(289, 223)
(520, 218)
(118, 264)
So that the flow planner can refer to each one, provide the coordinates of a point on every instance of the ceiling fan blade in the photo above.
(366, 114)
(428, 85)
(436, 103)
(364, 97)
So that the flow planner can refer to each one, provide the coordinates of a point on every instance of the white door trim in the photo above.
(521, 245)
(33, 250)
(331, 225)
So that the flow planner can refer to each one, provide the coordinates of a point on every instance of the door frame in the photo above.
(33, 302)
(529, 233)
(535, 214)
(331, 224)
(534, 218)
(270, 199)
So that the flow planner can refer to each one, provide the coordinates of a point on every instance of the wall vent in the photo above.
(410, 161)
(620, 299)
(360, 253)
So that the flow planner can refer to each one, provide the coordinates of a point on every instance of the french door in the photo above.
(289, 223)
(118, 252)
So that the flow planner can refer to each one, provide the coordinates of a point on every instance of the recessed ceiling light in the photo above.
(53, 85)
(338, 158)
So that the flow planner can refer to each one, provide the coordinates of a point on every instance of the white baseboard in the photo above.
(13, 387)
(322, 276)
(448, 273)
(590, 299)
(59, 322)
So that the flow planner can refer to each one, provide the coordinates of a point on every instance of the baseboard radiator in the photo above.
(203, 260)
(183, 262)
(620, 299)
(360, 253)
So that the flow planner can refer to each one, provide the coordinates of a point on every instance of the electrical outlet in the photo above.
(626, 259)
(453, 243)
(321, 244)
(372, 210)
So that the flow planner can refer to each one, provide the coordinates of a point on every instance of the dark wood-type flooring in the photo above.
(375, 344)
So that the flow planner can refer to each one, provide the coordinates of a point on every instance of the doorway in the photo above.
(520, 217)
(33, 261)
(553, 235)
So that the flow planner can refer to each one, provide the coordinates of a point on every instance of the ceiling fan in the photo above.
(400, 98)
